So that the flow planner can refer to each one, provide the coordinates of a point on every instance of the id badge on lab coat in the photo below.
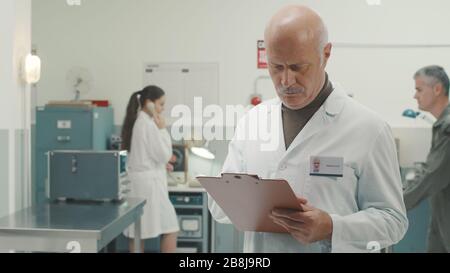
(326, 166)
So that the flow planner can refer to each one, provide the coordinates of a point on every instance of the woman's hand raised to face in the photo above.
(160, 121)
(169, 167)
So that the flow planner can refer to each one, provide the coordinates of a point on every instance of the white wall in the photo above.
(113, 38)
(15, 41)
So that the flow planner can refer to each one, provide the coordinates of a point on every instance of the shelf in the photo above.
(190, 239)
(188, 206)
(184, 188)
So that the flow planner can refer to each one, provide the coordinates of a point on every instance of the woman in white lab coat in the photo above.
(149, 145)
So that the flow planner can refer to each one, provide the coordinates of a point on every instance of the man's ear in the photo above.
(327, 53)
(438, 89)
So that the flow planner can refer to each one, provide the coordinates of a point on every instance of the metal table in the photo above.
(70, 226)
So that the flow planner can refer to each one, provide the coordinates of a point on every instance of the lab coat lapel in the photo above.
(279, 125)
(323, 117)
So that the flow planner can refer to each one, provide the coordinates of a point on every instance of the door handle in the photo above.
(74, 164)
(63, 138)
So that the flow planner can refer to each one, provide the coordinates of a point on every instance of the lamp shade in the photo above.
(32, 69)
(202, 152)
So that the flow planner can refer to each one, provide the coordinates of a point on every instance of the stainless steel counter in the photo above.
(70, 226)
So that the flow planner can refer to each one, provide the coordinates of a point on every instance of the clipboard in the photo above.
(248, 200)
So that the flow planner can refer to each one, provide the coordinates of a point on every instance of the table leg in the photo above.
(137, 235)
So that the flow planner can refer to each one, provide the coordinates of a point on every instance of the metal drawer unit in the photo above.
(194, 220)
(87, 175)
(68, 128)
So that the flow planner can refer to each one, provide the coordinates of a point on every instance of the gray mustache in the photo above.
(290, 91)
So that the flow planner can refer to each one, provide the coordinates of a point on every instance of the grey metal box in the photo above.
(87, 175)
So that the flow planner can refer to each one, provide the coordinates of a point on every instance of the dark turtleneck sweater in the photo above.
(295, 120)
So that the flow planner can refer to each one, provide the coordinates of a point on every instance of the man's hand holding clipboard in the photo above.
(307, 225)
(267, 205)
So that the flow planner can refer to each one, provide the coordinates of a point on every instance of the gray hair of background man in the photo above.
(436, 74)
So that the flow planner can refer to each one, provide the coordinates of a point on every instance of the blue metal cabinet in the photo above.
(415, 239)
(68, 128)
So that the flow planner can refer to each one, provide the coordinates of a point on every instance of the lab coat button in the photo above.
(282, 167)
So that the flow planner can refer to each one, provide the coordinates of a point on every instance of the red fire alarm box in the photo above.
(262, 62)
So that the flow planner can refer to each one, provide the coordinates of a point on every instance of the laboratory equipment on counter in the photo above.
(115, 142)
(68, 128)
(194, 183)
(191, 206)
(87, 175)
(413, 114)
(179, 161)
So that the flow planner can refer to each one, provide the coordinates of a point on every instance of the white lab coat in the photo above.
(151, 149)
(365, 205)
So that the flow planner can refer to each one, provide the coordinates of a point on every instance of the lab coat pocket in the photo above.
(327, 191)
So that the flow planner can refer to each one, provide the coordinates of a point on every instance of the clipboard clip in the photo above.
(239, 175)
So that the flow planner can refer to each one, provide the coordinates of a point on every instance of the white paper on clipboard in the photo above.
(248, 200)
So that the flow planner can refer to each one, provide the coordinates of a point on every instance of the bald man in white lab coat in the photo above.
(360, 207)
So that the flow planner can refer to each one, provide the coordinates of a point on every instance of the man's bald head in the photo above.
(297, 51)
(296, 23)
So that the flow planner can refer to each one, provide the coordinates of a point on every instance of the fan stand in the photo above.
(77, 92)
(77, 95)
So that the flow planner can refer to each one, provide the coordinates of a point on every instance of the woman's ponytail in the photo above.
(130, 118)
